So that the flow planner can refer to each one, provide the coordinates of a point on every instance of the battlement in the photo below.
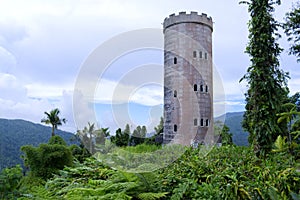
(183, 17)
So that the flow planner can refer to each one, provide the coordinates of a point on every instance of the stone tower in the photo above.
(188, 79)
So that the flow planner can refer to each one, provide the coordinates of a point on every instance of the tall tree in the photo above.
(53, 118)
(87, 135)
(292, 30)
(127, 129)
(101, 135)
(138, 136)
(121, 139)
(266, 82)
(160, 127)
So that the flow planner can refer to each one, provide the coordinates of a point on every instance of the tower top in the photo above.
(183, 17)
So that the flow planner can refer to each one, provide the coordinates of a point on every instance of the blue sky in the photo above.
(44, 46)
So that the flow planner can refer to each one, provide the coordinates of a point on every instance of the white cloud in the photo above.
(36, 90)
(11, 88)
(7, 60)
(114, 92)
(83, 110)
(30, 109)
(150, 96)
(28, 9)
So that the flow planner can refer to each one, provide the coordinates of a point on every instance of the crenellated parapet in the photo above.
(183, 17)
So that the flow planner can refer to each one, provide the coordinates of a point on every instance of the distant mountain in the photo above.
(234, 122)
(16, 133)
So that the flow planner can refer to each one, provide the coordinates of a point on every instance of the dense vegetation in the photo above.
(17, 133)
(227, 172)
(267, 89)
(47, 159)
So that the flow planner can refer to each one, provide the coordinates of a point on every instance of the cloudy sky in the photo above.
(45, 48)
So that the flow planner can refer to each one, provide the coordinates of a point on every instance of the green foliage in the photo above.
(280, 144)
(157, 138)
(266, 82)
(292, 30)
(29, 182)
(222, 131)
(93, 180)
(151, 195)
(101, 135)
(86, 135)
(57, 140)
(47, 159)
(53, 118)
(226, 136)
(160, 127)
(138, 136)
(230, 172)
(90, 137)
(291, 118)
(17, 133)
(121, 139)
(80, 153)
(38, 192)
(141, 158)
(295, 99)
(142, 148)
(9, 182)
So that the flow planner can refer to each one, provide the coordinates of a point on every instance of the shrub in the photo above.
(47, 159)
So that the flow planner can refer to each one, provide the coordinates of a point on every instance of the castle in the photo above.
(188, 79)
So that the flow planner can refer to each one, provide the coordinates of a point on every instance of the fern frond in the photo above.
(115, 196)
(280, 144)
(152, 196)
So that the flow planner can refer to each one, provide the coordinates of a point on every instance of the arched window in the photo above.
(175, 93)
(195, 54)
(207, 122)
(200, 54)
(195, 122)
(206, 88)
(205, 56)
(175, 128)
(195, 87)
(175, 60)
(201, 88)
(202, 122)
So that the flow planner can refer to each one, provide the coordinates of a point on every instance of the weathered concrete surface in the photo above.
(188, 79)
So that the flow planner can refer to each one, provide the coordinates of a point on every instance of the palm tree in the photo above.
(100, 135)
(87, 135)
(53, 119)
(289, 117)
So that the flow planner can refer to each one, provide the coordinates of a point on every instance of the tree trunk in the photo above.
(53, 134)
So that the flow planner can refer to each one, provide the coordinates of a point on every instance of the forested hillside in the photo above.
(234, 122)
(16, 133)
